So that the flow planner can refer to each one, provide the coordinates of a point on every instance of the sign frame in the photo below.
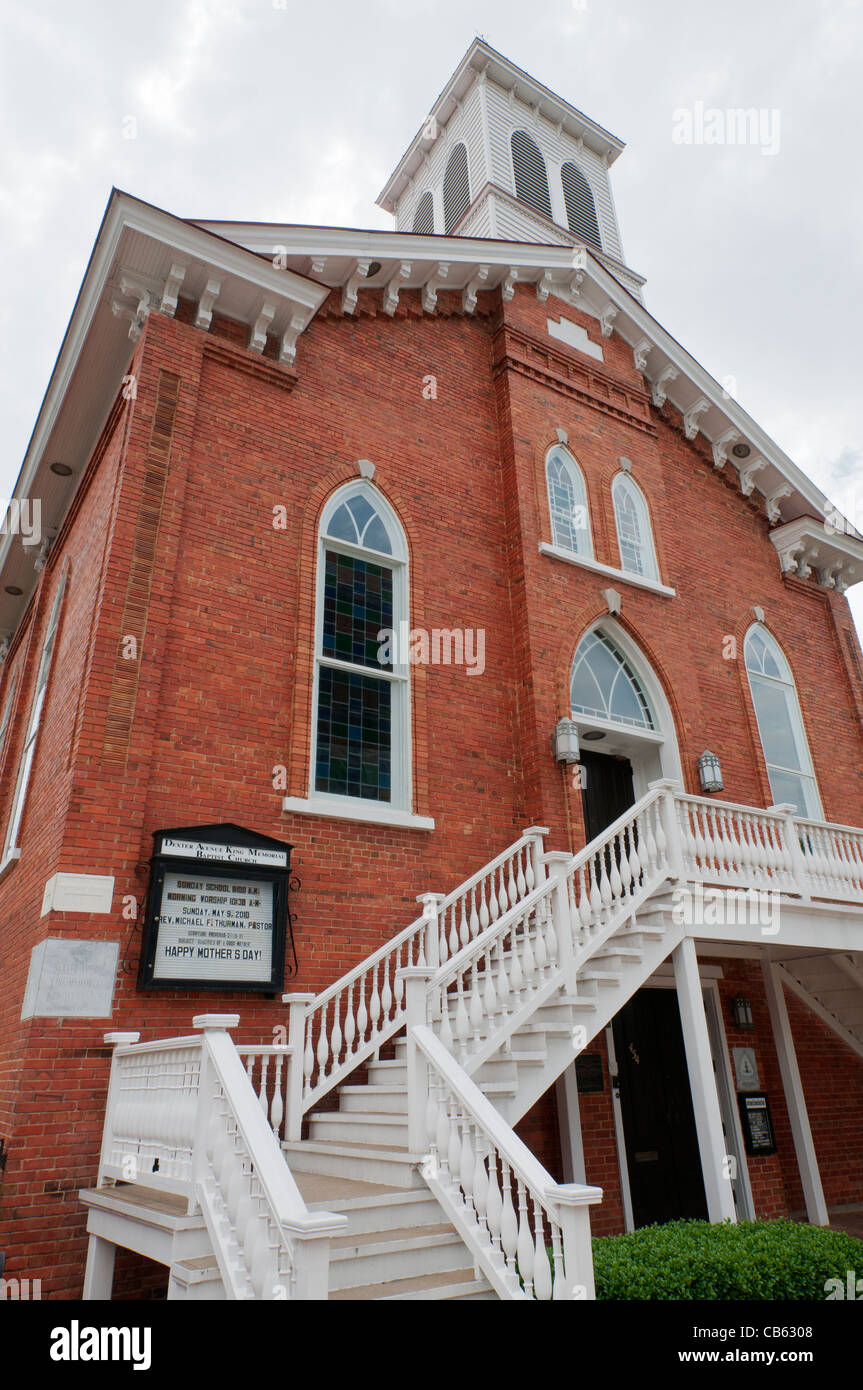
(748, 1102)
(246, 854)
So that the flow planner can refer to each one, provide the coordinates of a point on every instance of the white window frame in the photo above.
(401, 792)
(623, 483)
(579, 484)
(12, 850)
(798, 728)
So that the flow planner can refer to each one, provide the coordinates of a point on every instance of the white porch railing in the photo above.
(347, 1022)
(529, 1235)
(182, 1117)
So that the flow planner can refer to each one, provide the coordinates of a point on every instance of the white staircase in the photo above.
(831, 984)
(373, 1156)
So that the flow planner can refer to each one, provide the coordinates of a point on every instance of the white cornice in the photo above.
(817, 550)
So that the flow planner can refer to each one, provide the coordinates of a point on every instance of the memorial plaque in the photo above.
(217, 911)
(71, 978)
(757, 1124)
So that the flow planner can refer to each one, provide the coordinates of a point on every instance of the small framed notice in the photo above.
(217, 912)
(757, 1124)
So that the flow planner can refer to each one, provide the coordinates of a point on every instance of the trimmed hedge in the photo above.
(781, 1260)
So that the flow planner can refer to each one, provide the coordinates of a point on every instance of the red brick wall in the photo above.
(172, 542)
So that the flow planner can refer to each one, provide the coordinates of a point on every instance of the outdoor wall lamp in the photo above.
(741, 1011)
(564, 741)
(709, 772)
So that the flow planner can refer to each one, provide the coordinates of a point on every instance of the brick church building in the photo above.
(431, 757)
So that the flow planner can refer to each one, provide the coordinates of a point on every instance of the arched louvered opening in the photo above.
(424, 215)
(456, 188)
(531, 179)
(580, 207)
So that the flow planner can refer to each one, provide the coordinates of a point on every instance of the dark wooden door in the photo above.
(658, 1121)
(606, 790)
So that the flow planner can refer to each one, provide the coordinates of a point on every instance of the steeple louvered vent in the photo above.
(580, 207)
(456, 188)
(424, 215)
(531, 179)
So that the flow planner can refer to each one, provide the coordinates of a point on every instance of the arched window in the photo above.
(456, 188)
(780, 725)
(424, 215)
(528, 167)
(603, 685)
(361, 715)
(634, 534)
(580, 207)
(567, 502)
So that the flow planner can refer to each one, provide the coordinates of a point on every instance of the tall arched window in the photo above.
(603, 685)
(780, 725)
(424, 215)
(456, 188)
(634, 534)
(528, 167)
(362, 689)
(580, 207)
(567, 502)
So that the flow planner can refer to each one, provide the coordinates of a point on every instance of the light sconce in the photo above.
(741, 1011)
(709, 772)
(564, 741)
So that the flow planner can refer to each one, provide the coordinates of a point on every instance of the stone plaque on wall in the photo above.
(71, 979)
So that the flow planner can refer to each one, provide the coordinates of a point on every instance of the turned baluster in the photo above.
(480, 1177)
(475, 1007)
(323, 1044)
(386, 992)
(399, 987)
(464, 931)
(521, 879)
(277, 1109)
(484, 917)
(526, 1250)
(362, 1014)
(560, 1290)
(474, 915)
(541, 1263)
(508, 1219)
(493, 1202)
(263, 1097)
(462, 1019)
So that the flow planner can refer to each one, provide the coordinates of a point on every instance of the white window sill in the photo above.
(12, 857)
(623, 576)
(372, 813)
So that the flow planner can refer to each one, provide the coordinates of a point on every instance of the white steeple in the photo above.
(501, 156)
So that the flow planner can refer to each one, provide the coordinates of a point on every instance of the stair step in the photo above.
(366, 1162)
(406, 1253)
(455, 1283)
(388, 1097)
(605, 978)
(357, 1127)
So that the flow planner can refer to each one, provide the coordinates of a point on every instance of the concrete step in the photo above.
(456, 1283)
(385, 1098)
(389, 1166)
(357, 1127)
(402, 1253)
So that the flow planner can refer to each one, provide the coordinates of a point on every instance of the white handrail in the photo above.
(528, 1234)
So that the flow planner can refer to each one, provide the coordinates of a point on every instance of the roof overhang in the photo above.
(482, 58)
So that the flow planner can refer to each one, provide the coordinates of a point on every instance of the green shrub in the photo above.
(780, 1260)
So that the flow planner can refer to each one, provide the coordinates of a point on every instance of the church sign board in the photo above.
(217, 910)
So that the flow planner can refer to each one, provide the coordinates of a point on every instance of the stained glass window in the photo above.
(780, 725)
(361, 720)
(604, 685)
(567, 503)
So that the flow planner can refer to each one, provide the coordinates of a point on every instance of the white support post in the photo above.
(569, 1121)
(298, 1005)
(715, 1167)
(208, 1024)
(670, 824)
(99, 1273)
(431, 905)
(555, 863)
(416, 979)
(807, 1161)
(536, 834)
(573, 1213)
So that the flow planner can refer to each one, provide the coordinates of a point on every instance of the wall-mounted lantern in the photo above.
(564, 741)
(741, 1011)
(709, 772)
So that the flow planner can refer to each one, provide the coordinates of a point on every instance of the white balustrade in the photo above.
(735, 845)
(529, 1235)
(355, 1015)
(832, 859)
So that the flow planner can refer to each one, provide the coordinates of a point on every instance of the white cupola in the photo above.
(500, 156)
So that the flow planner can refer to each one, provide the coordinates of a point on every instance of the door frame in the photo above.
(725, 1090)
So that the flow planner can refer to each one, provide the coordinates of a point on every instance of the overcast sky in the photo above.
(275, 110)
